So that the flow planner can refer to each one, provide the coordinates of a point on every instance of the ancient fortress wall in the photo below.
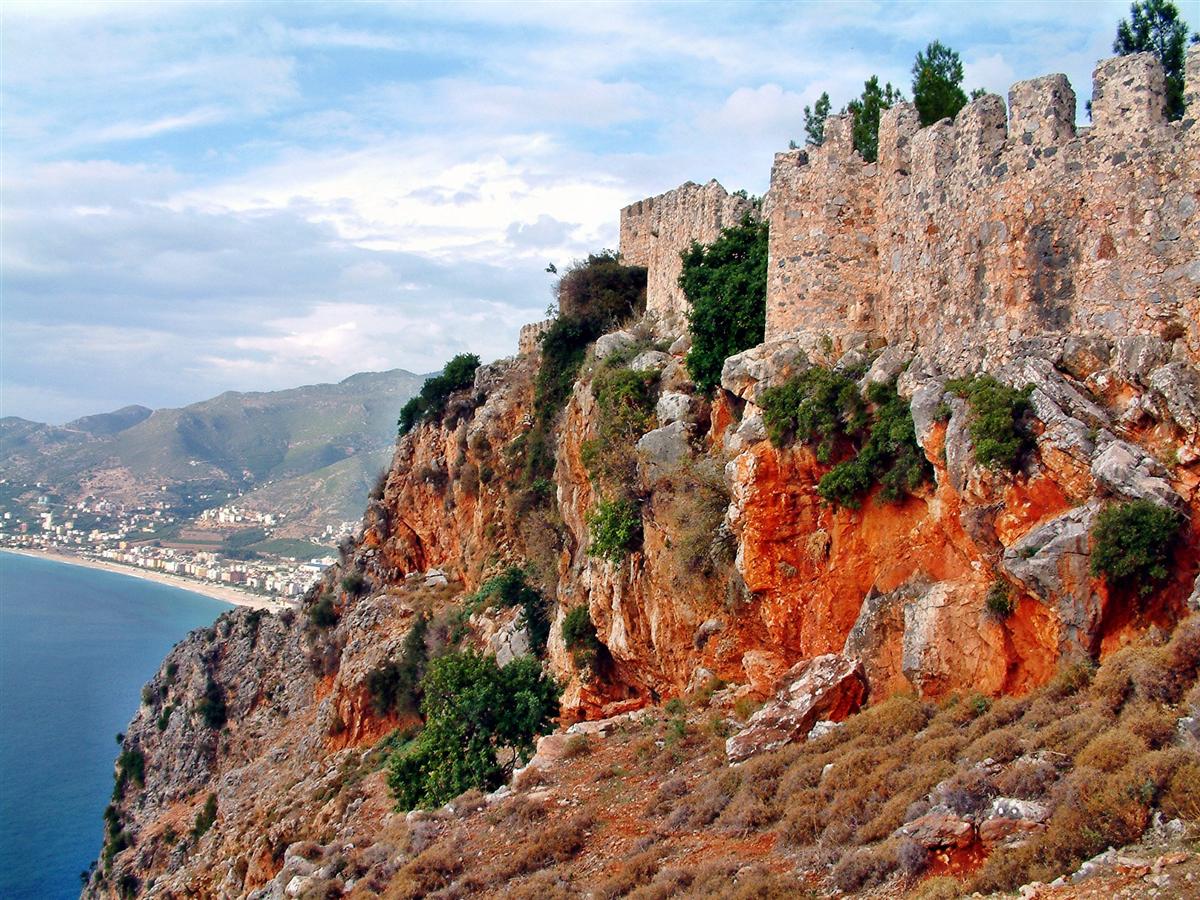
(656, 230)
(973, 235)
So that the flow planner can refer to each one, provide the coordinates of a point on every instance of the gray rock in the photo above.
(926, 402)
(1179, 387)
(1127, 470)
(662, 449)
(1193, 601)
(1085, 355)
(673, 407)
(960, 451)
(1137, 356)
(1012, 808)
(650, 361)
(750, 430)
(749, 373)
(614, 342)
(680, 345)
(1051, 562)
(889, 364)
(510, 642)
(824, 687)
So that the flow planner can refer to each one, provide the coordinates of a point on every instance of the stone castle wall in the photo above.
(974, 234)
(530, 338)
(656, 230)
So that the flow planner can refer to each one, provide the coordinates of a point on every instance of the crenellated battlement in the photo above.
(656, 230)
(976, 233)
(1003, 224)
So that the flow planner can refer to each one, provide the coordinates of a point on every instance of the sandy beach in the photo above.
(224, 593)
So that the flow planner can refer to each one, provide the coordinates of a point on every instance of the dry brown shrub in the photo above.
(529, 778)
(899, 715)
(547, 885)
(905, 788)
(1004, 711)
(1072, 733)
(1071, 678)
(1027, 779)
(1153, 724)
(802, 822)
(544, 847)
(864, 867)
(468, 802)
(1002, 745)
(709, 799)
(1180, 798)
(1111, 750)
(517, 813)
(941, 887)
(942, 747)
(577, 745)
(633, 871)
(427, 872)
(667, 796)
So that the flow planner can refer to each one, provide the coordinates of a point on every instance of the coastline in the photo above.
(223, 593)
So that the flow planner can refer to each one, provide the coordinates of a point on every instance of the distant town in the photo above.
(223, 545)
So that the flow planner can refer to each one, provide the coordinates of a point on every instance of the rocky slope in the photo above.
(746, 582)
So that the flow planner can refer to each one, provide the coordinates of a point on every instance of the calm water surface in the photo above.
(76, 646)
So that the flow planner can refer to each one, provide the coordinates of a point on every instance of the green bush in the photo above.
(891, 456)
(616, 529)
(354, 584)
(1000, 602)
(824, 406)
(396, 685)
(579, 636)
(212, 705)
(322, 613)
(475, 714)
(726, 285)
(205, 818)
(430, 404)
(1131, 543)
(511, 589)
(996, 425)
(131, 769)
(820, 406)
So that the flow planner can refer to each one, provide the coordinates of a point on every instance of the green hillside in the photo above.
(309, 452)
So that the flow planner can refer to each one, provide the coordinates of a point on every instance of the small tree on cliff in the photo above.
(1155, 26)
(475, 714)
(726, 285)
(866, 110)
(937, 83)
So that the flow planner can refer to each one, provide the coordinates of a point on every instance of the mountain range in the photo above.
(309, 452)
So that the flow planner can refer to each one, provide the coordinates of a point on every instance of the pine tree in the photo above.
(1155, 26)
(814, 121)
(937, 84)
(866, 111)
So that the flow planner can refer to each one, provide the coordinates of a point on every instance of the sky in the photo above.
(200, 197)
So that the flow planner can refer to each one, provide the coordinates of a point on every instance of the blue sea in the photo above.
(76, 646)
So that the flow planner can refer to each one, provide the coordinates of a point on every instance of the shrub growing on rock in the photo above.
(430, 404)
(322, 613)
(999, 599)
(512, 589)
(726, 285)
(997, 422)
(616, 529)
(891, 456)
(1131, 543)
(819, 406)
(579, 636)
(396, 685)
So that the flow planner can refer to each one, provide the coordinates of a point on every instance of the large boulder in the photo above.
(1129, 471)
(662, 449)
(825, 687)
(939, 829)
(749, 373)
(1051, 562)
